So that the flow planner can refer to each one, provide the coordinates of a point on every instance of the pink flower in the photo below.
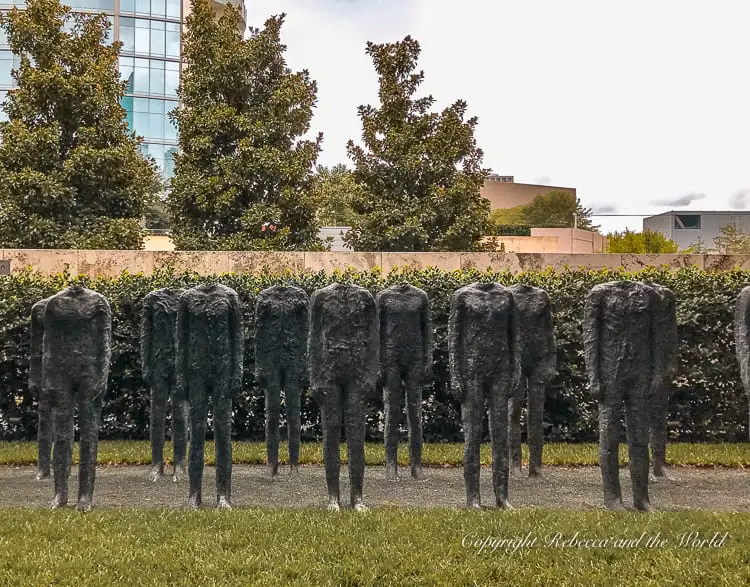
(273, 227)
(263, 228)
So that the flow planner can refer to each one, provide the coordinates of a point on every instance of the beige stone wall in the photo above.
(112, 263)
(573, 240)
(525, 244)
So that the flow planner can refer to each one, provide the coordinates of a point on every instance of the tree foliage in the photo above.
(333, 190)
(243, 174)
(648, 241)
(557, 209)
(421, 170)
(732, 240)
(71, 173)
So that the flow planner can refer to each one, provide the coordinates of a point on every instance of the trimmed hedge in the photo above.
(708, 403)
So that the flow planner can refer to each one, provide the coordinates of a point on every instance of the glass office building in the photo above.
(150, 60)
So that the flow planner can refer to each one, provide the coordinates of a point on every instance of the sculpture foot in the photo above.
(660, 478)
(358, 506)
(534, 472)
(416, 473)
(194, 502)
(293, 470)
(84, 504)
(333, 505)
(615, 505)
(42, 474)
(642, 506)
(273, 470)
(178, 473)
(156, 473)
(391, 472)
(59, 501)
(473, 504)
(222, 503)
(504, 504)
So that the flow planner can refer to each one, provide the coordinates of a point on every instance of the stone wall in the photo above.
(112, 263)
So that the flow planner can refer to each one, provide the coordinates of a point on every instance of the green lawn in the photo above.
(734, 455)
(381, 547)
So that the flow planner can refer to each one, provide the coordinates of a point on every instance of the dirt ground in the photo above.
(569, 488)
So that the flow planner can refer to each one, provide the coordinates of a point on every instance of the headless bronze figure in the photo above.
(538, 368)
(405, 365)
(485, 364)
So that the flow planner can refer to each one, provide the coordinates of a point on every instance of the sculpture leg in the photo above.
(355, 443)
(198, 415)
(89, 415)
(414, 420)
(223, 444)
(44, 436)
(637, 420)
(273, 410)
(392, 389)
(159, 394)
(330, 415)
(472, 411)
(293, 401)
(535, 427)
(610, 411)
(62, 413)
(659, 409)
(498, 421)
(515, 404)
(180, 419)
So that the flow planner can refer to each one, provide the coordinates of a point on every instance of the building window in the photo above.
(149, 118)
(93, 5)
(159, 8)
(687, 221)
(150, 76)
(150, 37)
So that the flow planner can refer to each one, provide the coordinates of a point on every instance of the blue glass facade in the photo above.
(149, 62)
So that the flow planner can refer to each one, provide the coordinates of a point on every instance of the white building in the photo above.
(686, 227)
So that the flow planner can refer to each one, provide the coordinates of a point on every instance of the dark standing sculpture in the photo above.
(158, 321)
(209, 361)
(343, 350)
(668, 340)
(624, 363)
(281, 329)
(485, 364)
(75, 364)
(405, 364)
(538, 368)
(44, 427)
(742, 339)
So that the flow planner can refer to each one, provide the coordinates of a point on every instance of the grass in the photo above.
(732, 455)
(382, 547)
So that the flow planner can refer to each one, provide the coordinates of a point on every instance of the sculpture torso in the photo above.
(345, 313)
(163, 306)
(210, 321)
(625, 324)
(535, 325)
(71, 337)
(401, 308)
(488, 309)
(281, 326)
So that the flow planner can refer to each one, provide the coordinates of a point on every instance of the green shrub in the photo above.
(708, 403)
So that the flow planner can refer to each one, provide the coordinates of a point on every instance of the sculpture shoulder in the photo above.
(38, 309)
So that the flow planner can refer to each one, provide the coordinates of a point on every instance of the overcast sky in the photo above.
(643, 106)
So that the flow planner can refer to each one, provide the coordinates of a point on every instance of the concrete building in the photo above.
(150, 61)
(687, 227)
(503, 192)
